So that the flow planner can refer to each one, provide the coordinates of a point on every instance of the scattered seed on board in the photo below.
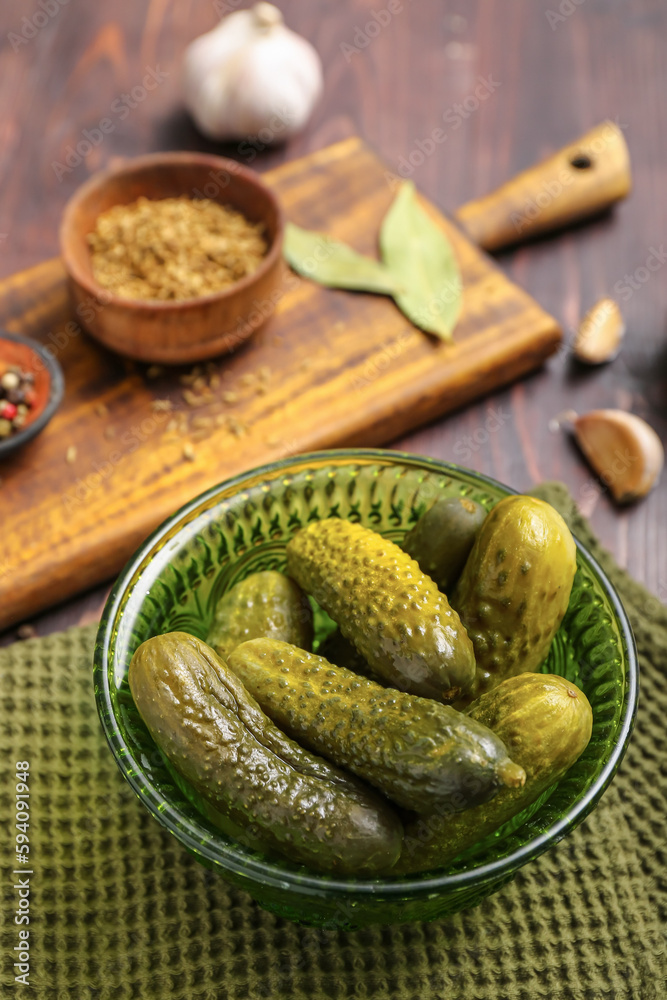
(154, 371)
(162, 405)
(248, 379)
(191, 398)
(214, 382)
(236, 427)
(26, 631)
(229, 397)
(70, 454)
(101, 410)
(188, 452)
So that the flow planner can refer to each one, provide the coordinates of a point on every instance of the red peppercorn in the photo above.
(7, 410)
(29, 397)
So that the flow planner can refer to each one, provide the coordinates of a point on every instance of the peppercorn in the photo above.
(17, 397)
(10, 380)
(8, 410)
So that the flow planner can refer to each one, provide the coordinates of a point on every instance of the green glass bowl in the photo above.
(176, 578)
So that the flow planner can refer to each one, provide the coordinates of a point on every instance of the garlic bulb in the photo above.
(251, 76)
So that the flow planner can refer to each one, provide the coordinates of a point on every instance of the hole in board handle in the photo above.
(581, 161)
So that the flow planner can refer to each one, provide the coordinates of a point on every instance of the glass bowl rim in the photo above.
(269, 872)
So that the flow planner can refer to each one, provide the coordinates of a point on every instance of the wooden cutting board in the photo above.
(330, 368)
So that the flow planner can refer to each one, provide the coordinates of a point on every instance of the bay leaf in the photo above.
(423, 262)
(329, 262)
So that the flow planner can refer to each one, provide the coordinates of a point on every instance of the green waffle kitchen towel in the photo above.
(120, 911)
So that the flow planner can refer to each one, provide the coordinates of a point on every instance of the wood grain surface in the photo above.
(330, 368)
(505, 84)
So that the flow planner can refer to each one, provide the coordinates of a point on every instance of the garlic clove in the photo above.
(600, 333)
(623, 449)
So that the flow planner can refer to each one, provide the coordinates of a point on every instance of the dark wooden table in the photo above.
(553, 68)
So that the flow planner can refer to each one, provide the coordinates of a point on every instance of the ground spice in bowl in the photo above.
(173, 248)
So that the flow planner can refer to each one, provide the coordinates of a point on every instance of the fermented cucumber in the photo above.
(270, 793)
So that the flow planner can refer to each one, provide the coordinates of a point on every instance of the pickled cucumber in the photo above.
(515, 588)
(270, 793)
(264, 604)
(442, 538)
(386, 606)
(421, 754)
(545, 722)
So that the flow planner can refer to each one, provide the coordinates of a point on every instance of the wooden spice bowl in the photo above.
(49, 386)
(181, 330)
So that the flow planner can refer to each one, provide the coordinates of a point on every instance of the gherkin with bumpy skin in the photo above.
(515, 588)
(383, 603)
(264, 604)
(443, 536)
(420, 753)
(545, 722)
(257, 784)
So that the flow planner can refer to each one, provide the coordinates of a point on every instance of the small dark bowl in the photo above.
(49, 386)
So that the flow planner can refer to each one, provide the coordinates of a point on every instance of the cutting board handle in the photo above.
(578, 181)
